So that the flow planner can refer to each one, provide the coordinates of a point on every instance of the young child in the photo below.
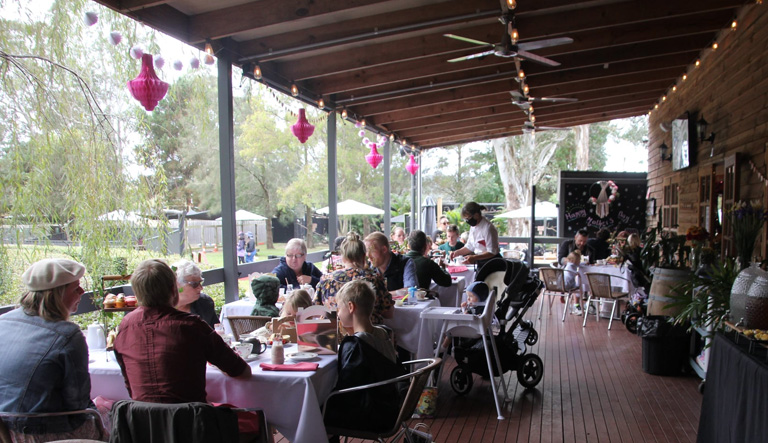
(366, 357)
(477, 294)
(266, 289)
(298, 299)
(571, 271)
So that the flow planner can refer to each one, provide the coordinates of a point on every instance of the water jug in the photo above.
(95, 338)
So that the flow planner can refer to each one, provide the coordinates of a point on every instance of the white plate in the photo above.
(301, 356)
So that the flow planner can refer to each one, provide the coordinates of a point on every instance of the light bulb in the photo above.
(321, 103)
(526, 89)
(343, 113)
(656, 106)
(511, 4)
(734, 25)
(514, 35)
(391, 137)
(208, 48)
(362, 122)
(663, 98)
(714, 46)
(257, 72)
(674, 88)
(521, 74)
(530, 108)
(294, 90)
(685, 77)
(698, 62)
(532, 118)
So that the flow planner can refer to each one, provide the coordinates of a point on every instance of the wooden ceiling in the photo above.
(386, 60)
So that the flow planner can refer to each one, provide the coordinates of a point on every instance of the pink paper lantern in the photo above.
(374, 158)
(146, 87)
(302, 129)
(412, 166)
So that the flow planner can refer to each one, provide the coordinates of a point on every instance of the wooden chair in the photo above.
(417, 380)
(554, 286)
(246, 323)
(5, 433)
(601, 291)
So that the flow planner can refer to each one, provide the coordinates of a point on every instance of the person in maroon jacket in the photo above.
(162, 351)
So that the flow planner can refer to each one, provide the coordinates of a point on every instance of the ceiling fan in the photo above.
(529, 127)
(508, 47)
(525, 102)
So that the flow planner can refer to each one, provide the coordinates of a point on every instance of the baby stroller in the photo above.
(520, 290)
(636, 305)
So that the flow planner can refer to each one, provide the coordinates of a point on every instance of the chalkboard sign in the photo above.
(627, 211)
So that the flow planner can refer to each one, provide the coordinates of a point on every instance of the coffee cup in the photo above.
(242, 349)
(421, 294)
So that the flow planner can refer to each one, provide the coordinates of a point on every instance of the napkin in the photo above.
(455, 269)
(305, 366)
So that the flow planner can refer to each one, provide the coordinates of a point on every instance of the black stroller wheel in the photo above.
(461, 380)
(532, 338)
(530, 371)
(631, 322)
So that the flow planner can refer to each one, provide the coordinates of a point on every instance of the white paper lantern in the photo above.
(208, 59)
(136, 52)
(90, 18)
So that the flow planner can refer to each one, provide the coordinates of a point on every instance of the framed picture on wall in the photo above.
(650, 207)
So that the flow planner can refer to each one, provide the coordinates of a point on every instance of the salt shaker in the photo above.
(278, 356)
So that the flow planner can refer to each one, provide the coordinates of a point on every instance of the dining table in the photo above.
(624, 280)
(462, 270)
(411, 333)
(291, 400)
(236, 308)
(450, 295)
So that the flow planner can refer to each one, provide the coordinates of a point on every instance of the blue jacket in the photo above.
(400, 273)
(43, 368)
(283, 273)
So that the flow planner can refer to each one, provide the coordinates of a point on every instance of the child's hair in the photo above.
(633, 241)
(359, 292)
(298, 299)
(574, 257)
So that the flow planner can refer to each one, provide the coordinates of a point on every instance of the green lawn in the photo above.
(216, 260)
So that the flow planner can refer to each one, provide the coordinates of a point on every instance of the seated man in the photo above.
(366, 357)
(600, 247)
(579, 243)
(398, 270)
(426, 269)
(162, 352)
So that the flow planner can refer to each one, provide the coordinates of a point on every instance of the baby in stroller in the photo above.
(477, 294)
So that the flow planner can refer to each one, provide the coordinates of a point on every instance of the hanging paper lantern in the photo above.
(208, 59)
(374, 158)
(136, 52)
(115, 38)
(194, 63)
(177, 65)
(146, 87)
(412, 166)
(159, 62)
(90, 18)
(302, 129)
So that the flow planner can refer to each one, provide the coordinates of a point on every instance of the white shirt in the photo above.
(483, 238)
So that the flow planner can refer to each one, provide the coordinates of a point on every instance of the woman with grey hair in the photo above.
(44, 359)
(294, 269)
(189, 279)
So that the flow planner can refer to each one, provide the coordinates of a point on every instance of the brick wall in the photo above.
(730, 89)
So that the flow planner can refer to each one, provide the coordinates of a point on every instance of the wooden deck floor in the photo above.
(593, 390)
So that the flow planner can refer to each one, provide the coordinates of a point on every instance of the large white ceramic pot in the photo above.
(661, 290)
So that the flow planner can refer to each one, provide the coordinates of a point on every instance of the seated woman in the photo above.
(398, 240)
(353, 256)
(162, 352)
(44, 363)
(189, 279)
(294, 269)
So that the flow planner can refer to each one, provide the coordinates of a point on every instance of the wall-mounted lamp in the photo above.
(664, 157)
(701, 127)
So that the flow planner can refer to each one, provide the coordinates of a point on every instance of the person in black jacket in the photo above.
(579, 242)
(601, 249)
(294, 269)
(366, 357)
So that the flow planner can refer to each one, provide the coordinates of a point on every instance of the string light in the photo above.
(208, 48)
(514, 35)
(674, 88)
(294, 90)
(685, 77)
(656, 106)
(362, 122)
(698, 63)
(321, 103)
(257, 72)
(530, 108)
(734, 24)
(715, 46)
(663, 98)
(521, 74)
(532, 118)
(511, 4)
(392, 137)
(344, 113)
(526, 89)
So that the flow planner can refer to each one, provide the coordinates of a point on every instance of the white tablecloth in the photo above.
(290, 400)
(450, 295)
(236, 308)
(625, 282)
(406, 322)
(469, 274)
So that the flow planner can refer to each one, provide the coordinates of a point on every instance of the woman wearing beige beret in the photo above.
(44, 358)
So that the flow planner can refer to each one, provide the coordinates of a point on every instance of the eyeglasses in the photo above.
(194, 284)
(445, 223)
(294, 256)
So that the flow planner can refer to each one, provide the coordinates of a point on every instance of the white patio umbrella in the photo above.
(544, 210)
(352, 207)
(243, 215)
